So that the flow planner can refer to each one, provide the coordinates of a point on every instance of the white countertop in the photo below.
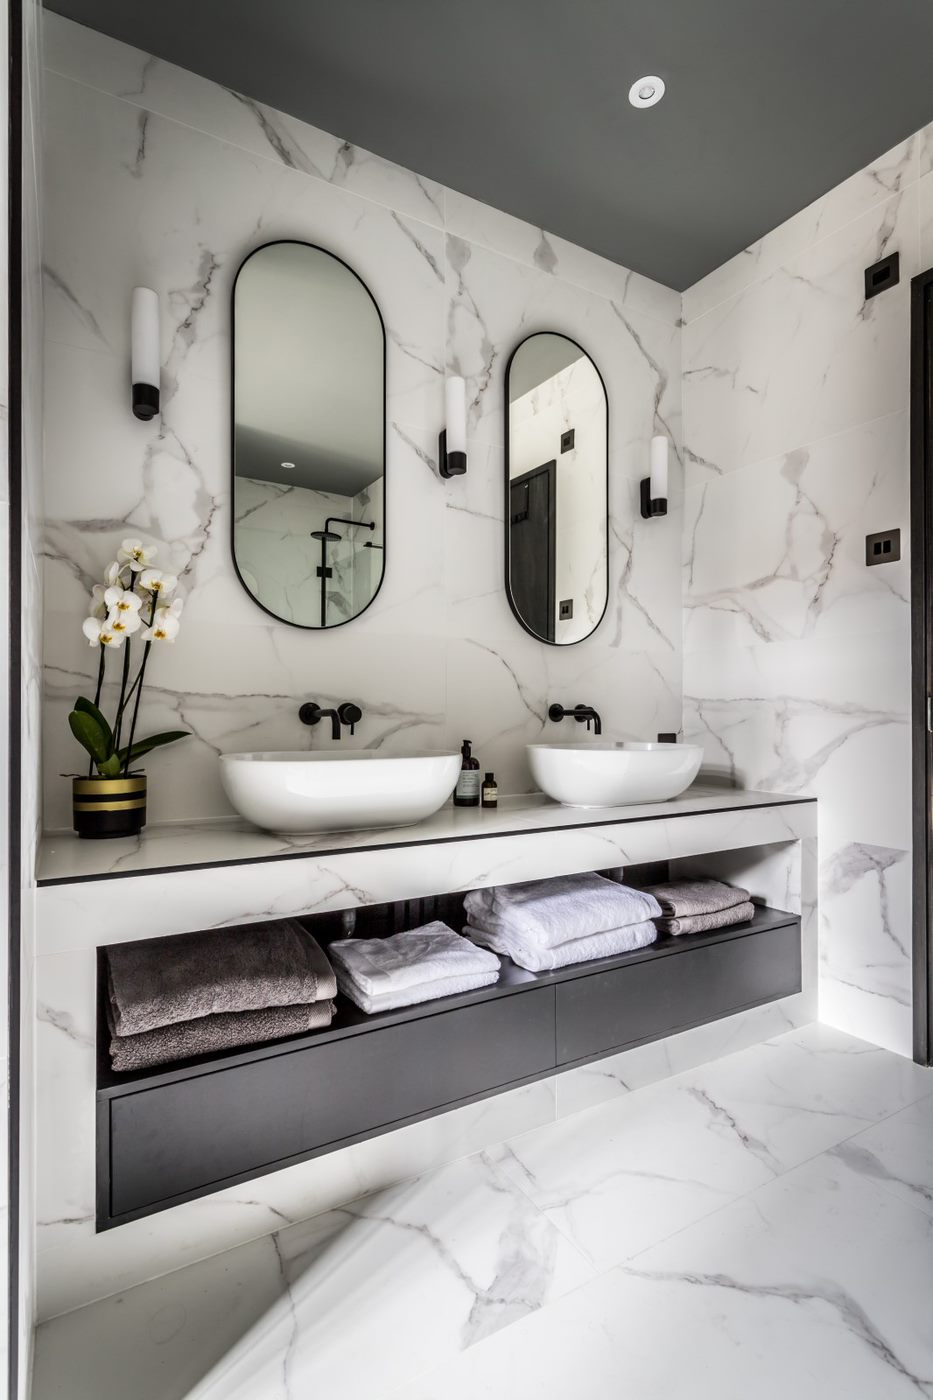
(64, 858)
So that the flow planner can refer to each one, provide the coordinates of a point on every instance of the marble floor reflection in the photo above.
(758, 1228)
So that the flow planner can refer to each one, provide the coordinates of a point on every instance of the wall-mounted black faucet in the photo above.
(583, 714)
(347, 713)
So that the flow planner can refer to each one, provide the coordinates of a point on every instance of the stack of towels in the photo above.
(698, 906)
(168, 998)
(546, 924)
(381, 974)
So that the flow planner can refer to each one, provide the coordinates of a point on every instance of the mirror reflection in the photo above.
(308, 435)
(557, 559)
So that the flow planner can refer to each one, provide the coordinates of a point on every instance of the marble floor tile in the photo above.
(816, 1285)
(352, 1302)
(625, 1176)
(756, 1229)
(897, 1154)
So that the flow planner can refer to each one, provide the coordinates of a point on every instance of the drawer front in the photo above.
(658, 997)
(186, 1136)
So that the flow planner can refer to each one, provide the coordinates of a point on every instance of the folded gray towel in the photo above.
(684, 899)
(208, 1034)
(162, 981)
(705, 923)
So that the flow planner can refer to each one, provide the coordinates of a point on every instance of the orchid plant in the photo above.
(134, 601)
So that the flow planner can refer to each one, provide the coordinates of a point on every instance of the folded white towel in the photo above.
(534, 958)
(409, 996)
(548, 913)
(379, 967)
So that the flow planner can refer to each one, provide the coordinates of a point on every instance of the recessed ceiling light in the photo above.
(646, 92)
(288, 466)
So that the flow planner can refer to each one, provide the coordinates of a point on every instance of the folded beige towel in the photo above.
(705, 923)
(684, 899)
(161, 981)
(208, 1034)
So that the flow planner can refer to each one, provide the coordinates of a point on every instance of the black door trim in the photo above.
(14, 620)
(921, 524)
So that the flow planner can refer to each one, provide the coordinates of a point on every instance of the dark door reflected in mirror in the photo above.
(557, 449)
(308, 435)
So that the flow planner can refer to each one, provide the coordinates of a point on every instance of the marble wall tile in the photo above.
(800, 354)
(797, 656)
(876, 183)
(776, 550)
(192, 178)
(155, 86)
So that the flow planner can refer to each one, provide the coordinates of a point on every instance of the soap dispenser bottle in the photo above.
(466, 793)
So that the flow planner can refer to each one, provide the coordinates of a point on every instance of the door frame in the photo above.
(921, 646)
(548, 469)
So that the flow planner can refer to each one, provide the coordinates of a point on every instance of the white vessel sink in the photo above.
(600, 773)
(308, 792)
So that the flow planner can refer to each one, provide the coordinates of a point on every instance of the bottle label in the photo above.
(468, 783)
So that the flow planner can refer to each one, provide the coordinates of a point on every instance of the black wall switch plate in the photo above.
(883, 548)
(566, 609)
(566, 440)
(882, 275)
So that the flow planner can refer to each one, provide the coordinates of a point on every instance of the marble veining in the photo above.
(797, 656)
(64, 857)
(806, 1262)
(192, 177)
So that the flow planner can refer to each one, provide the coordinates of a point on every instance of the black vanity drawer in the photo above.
(662, 995)
(172, 1139)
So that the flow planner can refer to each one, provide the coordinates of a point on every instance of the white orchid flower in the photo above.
(124, 624)
(136, 554)
(122, 600)
(113, 574)
(100, 633)
(99, 607)
(164, 627)
(157, 581)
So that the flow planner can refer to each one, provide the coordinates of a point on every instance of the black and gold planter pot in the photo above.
(109, 806)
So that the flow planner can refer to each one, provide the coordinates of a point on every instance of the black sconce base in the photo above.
(449, 463)
(651, 507)
(145, 401)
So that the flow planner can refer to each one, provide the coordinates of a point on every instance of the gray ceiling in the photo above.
(523, 103)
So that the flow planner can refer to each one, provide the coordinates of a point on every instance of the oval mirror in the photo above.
(557, 489)
(308, 435)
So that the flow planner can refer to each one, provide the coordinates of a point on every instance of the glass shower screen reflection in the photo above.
(308, 435)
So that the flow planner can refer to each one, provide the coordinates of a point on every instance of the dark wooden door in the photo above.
(532, 548)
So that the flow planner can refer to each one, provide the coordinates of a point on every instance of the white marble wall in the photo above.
(160, 177)
(796, 657)
(29, 680)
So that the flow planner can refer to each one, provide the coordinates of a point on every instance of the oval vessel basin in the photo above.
(607, 774)
(308, 792)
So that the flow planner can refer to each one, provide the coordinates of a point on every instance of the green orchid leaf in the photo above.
(90, 736)
(155, 741)
(87, 707)
(110, 768)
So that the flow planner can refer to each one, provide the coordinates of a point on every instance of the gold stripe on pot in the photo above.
(109, 806)
(103, 787)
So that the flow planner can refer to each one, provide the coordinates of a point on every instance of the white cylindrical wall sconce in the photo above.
(145, 347)
(654, 486)
(451, 444)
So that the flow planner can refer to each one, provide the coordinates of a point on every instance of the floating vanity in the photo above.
(189, 1135)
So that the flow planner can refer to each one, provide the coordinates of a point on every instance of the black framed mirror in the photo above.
(308, 435)
(557, 489)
